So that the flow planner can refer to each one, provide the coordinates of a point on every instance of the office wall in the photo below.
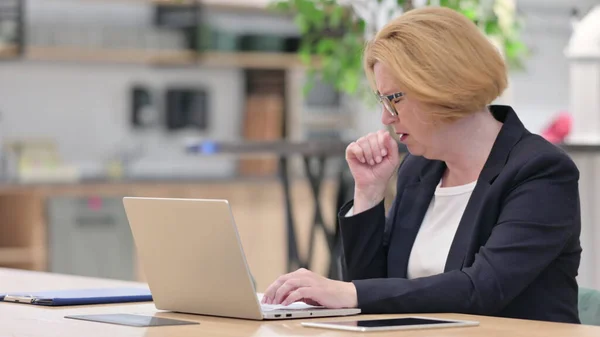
(86, 109)
(542, 90)
(89, 12)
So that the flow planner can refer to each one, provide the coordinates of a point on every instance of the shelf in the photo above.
(19, 255)
(239, 5)
(337, 121)
(264, 60)
(258, 60)
(8, 51)
(78, 54)
(252, 5)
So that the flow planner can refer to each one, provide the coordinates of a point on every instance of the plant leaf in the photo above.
(283, 6)
(492, 27)
(326, 46)
(336, 17)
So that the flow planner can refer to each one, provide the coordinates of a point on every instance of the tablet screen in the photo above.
(377, 323)
(404, 323)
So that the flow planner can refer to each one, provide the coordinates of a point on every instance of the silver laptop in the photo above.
(193, 260)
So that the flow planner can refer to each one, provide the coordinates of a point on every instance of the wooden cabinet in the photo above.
(89, 236)
(22, 233)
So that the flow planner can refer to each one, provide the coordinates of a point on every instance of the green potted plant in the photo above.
(334, 32)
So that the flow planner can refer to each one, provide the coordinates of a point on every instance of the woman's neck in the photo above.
(468, 144)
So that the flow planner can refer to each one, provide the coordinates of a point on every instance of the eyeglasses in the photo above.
(388, 102)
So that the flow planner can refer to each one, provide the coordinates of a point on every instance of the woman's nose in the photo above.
(386, 117)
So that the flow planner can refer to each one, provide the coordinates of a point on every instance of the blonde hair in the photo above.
(440, 58)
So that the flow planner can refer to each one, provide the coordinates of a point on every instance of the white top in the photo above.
(432, 244)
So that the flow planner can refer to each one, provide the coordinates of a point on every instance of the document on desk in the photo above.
(80, 296)
(293, 306)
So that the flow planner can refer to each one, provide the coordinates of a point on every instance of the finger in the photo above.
(375, 150)
(269, 294)
(381, 139)
(366, 148)
(289, 286)
(266, 299)
(301, 278)
(301, 294)
(392, 147)
(271, 290)
(354, 151)
(311, 302)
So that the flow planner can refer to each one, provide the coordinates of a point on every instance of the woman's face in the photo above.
(414, 128)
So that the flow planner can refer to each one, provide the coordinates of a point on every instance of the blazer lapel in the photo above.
(509, 135)
(465, 232)
(414, 202)
(416, 197)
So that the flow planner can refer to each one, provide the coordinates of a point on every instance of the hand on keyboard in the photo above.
(293, 306)
(310, 287)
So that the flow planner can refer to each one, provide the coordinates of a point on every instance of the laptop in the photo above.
(194, 262)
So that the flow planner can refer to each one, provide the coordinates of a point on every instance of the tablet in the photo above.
(404, 323)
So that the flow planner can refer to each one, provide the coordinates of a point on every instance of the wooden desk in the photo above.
(28, 320)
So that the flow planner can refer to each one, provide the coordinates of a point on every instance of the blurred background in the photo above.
(252, 101)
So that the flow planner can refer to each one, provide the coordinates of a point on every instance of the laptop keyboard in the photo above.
(298, 306)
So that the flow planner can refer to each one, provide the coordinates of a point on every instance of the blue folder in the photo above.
(80, 296)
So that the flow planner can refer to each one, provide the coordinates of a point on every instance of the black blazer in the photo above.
(516, 251)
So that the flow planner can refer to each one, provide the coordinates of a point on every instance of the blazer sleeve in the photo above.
(365, 237)
(538, 218)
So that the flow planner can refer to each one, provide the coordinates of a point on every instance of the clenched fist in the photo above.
(373, 160)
